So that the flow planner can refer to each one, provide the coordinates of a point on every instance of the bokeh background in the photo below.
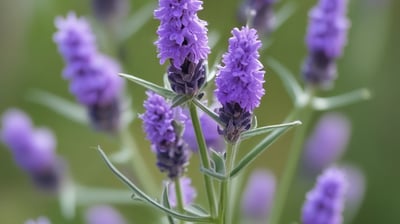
(29, 61)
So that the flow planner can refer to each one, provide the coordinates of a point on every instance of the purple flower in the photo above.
(326, 37)
(210, 132)
(161, 131)
(324, 204)
(258, 195)
(103, 214)
(93, 76)
(33, 149)
(327, 142)
(264, 18)
(188, 192)
(239, 83)
(40, 220)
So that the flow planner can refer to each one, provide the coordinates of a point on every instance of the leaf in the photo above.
(67, 109)
(213, 72)
(208, 111)
(195, 209)
(262, 130)
(259, 149)
(67, 200)
(149, 85)
(219, 162)
(329, 103)
(213, 174)
(165, 202)
(179, 100)
(284, 14)
(289, 82)
(142, 196)
(213, 38)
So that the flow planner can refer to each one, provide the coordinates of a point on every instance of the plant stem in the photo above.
(139, 167)
(304, 112)
(205, 162)
(179, 198)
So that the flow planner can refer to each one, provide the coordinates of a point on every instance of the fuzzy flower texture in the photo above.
(158, 122)
(93, 76)
(240, 82)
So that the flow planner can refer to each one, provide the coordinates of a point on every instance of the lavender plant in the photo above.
(179, 121)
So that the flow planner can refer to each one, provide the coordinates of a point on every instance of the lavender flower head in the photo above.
(40, 220)
(327, 142)
(33, 149)
(189, 193)
(325, 203)
(159, 125)
(103, 214)
(240, 82)
(182, 40)
(93, 76)
(264, 18)
(326, 38)
(258, 195)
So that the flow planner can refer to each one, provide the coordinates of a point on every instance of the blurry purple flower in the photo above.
(325, 203)
(189, 193)
(40, 220)
(210, 132)
(103, 214)
(326, 38)
(258, 195)
(240, 82)
(33, 149)
(327, 142)
(93, 76)
(158, 123)
(264, 18)
(109, 10)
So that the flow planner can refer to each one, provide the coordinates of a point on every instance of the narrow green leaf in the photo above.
(213, 174)
(167, 85)
(195, 209)
(218, 161)
(67, 200)
(149, 85)
(213, 72)
(289, 82)
(142, 196)
(262, 130)
(208, 111)
(59, 105)
(284, 14)
(213, 38)
(259, 149)
(254, 122)
(329, 103)
(165, 202)
(179, 100)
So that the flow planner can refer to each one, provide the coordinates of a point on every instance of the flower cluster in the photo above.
(93, 76)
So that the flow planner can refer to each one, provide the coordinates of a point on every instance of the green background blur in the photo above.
(29, 60)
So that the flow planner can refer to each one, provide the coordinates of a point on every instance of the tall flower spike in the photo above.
(103, 214)
(264, 18)
(33, 149)
(93, 76)
(240, 82)
(258, 195)
(325, 203)
(327, 142)
(326, 38)
(182, 39)
(189, 193)
(158, 122)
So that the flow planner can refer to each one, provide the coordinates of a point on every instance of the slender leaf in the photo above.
(165, 202)
(218, 161)
(213, 174)
(284, 14)
(213, 38)
(262, 130)
(213, 72)
(329, 103)
(142, 196)
(179, 100)
(289, 82)
(149, 85)
(67, 200)
(195, 209)
(208, 111)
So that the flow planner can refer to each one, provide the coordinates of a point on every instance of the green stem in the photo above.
(179, 198)
(304, 113)
(205, 162)
(89, 196)
(139, 167)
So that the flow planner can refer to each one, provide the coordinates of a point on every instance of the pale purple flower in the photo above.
(189, 193)
(159, 126)
(40, 220)
(327, 142)
(264, 18)
(326, 38)
(325, 203)
(258, 195)
(103, 214)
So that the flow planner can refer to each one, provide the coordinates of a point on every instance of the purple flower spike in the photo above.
(93, 76)
(258, 195)
(103, 214)
(325, 203)
(189, 193)
(240, 83)
(327, 142)
(264, 18)
(33, 149)
(326, 38)
(40, 220)
(158, 122)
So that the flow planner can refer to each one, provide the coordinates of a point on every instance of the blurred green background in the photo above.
(29, 60)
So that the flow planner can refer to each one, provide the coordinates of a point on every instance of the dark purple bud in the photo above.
(105, 117)
(235, 120)
(188, 79)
